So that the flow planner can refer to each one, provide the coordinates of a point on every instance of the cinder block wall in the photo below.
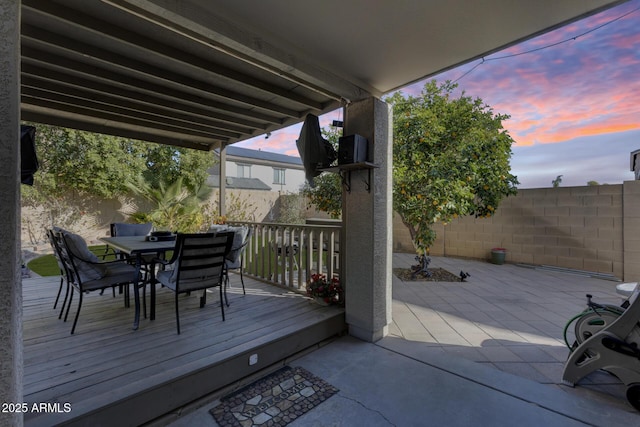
(97, 214)
(593, 228)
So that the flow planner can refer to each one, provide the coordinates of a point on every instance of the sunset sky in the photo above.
(574, 105)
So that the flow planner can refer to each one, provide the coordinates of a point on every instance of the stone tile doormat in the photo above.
(275, 400)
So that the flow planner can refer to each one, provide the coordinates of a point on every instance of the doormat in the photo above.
(275, 400)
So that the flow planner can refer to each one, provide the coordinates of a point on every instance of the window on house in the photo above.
(244, 171)
(278, 176)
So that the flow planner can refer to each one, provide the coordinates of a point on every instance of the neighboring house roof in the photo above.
(238, 183)
(261, 157)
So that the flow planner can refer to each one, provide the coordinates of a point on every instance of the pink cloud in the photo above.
(584, 87)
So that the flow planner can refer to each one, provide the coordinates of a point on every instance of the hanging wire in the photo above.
(470, 71)
(549, 45)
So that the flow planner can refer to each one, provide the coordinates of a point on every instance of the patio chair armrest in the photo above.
(112, 262)
(116, 261)
(99, 262)
(162, 261)
(108, 252)
(242, 246)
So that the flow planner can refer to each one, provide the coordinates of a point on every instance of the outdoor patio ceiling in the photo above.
(201, 73)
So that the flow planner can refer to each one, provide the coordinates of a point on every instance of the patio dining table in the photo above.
(137, 247)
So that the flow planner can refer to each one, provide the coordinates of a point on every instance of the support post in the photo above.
(367, 222)
(11, 360)
(222, 179)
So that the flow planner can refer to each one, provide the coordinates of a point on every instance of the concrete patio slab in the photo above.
(488, 351)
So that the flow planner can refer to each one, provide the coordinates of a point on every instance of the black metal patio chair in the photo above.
(63, 272)
(86, 272)
(198, 263)
(125, 229)
(120, 229)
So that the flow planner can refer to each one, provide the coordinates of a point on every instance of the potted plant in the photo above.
(325, 291)
(498, 255)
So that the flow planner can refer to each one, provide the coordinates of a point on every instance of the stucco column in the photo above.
(10, 277)
(367, 221)
(222, 181)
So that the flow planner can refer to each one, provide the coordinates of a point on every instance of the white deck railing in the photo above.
(288, 254)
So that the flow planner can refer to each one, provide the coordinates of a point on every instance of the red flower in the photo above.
(328, 290)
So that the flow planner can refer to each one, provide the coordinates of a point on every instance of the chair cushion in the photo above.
(239, 235)
(87, 263)
(123, 229)
(168, 279)
(115, 274)
(232, 264)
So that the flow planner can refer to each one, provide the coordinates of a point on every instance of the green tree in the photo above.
(79, 162)
(78, 170)
(73, 161)
(166, 164)
(556, 182)
(326, 195)
(175, 207)
(450, 158)
(238, 209)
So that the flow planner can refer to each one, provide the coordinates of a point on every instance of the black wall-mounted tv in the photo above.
(315, 151)
(28, 158)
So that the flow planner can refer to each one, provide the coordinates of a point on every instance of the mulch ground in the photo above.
(437, 275)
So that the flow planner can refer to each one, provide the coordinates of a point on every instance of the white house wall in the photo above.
(294, 178)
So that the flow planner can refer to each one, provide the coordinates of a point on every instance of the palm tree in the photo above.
(175, 207)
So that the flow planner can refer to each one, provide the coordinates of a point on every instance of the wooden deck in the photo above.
(113, 375)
